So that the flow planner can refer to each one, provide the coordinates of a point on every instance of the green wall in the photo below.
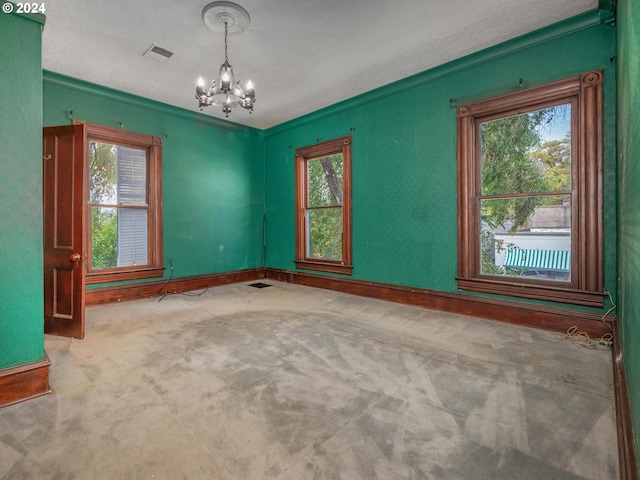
(213, 173)
(629, 197)
(21, 275)
(404, 155)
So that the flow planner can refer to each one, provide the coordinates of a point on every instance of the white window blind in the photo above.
(133, 219)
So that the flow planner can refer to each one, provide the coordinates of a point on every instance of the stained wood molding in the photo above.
(133, 291)
(545, 317)
(305, 208)
(555, 319)
(584, 93)
(23, 382)
(626, 445)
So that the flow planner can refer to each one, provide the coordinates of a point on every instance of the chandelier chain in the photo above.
(226, 28)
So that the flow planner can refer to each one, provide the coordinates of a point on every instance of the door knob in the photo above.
(74, 257)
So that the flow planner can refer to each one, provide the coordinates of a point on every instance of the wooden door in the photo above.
(64, 266)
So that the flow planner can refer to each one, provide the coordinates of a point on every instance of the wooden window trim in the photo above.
(153, 146)
(302, 155)
(584, 91)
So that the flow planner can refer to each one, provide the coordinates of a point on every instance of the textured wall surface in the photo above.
(629, 197)
(404, 157)
(21, 296)
(212, 176)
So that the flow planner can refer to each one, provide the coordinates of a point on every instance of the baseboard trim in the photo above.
(156, 288)
(23, 382)
(624, 426)
(545, 317)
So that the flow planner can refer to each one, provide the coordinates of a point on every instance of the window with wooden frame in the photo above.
(124, 205)
(530, 193)
(323, 206)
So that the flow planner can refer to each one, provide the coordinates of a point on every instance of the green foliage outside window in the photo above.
(515, 160)
(102, 190)
(104, 238)
(507, 167)
(324, 214)
(555, 157)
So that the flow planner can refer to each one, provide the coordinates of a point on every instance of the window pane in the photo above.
(104, 237)
(324, 234)
(526, 237)
(325, 181)
(102, 173)
(527, 153)
(118, 237)
(132, 176)
(132, 237)
(117, 175)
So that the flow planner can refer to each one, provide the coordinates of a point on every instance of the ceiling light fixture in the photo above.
(224, 91)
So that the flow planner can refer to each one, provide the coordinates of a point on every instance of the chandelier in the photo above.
(223, 91)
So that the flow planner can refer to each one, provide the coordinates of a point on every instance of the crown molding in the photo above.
(566, 27)
(57, 79)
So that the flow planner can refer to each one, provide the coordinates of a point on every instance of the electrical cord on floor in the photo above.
(163, 295)
(192, 294)
(613, 307)
(160, 292)
(582, 338)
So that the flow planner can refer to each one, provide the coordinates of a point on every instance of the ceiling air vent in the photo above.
(157, 53)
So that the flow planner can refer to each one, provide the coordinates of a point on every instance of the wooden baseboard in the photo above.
(626, 444)
(526, 314)
(23, 382)
(555, 319)
(156, 288)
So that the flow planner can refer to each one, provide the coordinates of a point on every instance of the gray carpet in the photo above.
(288, 382)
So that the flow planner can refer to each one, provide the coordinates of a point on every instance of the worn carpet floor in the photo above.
(289, 382)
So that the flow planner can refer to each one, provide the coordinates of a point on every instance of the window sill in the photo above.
(328, 267)
(122, 275)
(536, 292)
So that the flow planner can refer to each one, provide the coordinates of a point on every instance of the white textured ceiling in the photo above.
(302, 55)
